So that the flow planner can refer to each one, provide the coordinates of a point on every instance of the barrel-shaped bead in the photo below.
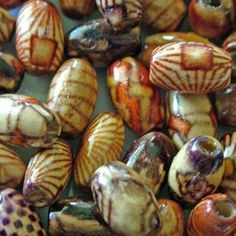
(39, 37)
(47, 174)
(190, 67)
(72, 95)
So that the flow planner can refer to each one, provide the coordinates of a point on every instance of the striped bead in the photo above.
(163, 15)
(190, 67)
(135, 98)
(27, 122)
(12, 168)
(39, 36)
(102, 142)
(7, 25)
(47, 174)
(72, 95)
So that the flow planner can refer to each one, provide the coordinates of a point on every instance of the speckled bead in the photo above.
(102, 142)
(135, 98)
(214, 215)
(47, 174)
(16, 122)
(70, 216)
(12, 168)
(16, 217)
(122, 197)
(189, 116)
(39, 37)
(9, 3)
(163, 15)
(190, 67)
(196, 170)
(151, 156)
(72, 95)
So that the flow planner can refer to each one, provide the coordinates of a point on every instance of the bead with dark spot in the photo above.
(5, 221)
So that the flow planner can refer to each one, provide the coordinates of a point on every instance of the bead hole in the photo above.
(214, 3)
(224, 209)
(207, 146)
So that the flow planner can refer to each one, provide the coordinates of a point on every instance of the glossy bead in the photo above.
(153, 41)
(77, 8)
(90, 40)
(72, 216)
(12, 168)
(190, 67)
(39, 37)
(16, 217)
(211, 19)
(72, 95)
(214, 215)
(189, 116)
(163, 15)
(102, 142)
(196, 170)
(135, 98)
(151, 156)
(121, 15)
(17, 114)
(122, 198)
(47, 174)
(9, 3)
(225, 102)
(7, 25)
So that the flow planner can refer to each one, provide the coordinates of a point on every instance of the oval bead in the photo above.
(163, 15)
(122, 198)
(39, 37)
(190, 67)
(135, 98)
(16, 122)
(189, 116)
(7, 25)
(47, 174)
(9, 3)
(72, 95)
(214, 215)
(12, 168)
(151, 156)
(91, 40)
(121, 15)
(102, 142)
(196, 170)
(16, 217)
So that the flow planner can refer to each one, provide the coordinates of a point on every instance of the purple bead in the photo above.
(5, 221)
(3, 232)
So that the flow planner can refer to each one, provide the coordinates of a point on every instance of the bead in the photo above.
(9, 3)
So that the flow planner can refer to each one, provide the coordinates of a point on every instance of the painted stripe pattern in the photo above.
(47, 174)
(102, 142)
(72, 95)
(12, 168)
(27, 122)
(190, 67)
(39, 36)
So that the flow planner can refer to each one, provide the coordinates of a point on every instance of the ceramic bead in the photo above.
(189, 116)
(190, 67)
(211, 19)
(39, 37)
(163, 15)
(151, 156)
(225, 102)
(9, 3)
(77, 8)
(122, 197)
(47, 174)
(7, 25)
(121, 15)
(214, 215)
(72, 95)
(16, 217)
(102, 142)
(18, 113)
(196, 170)
(90, 40)
(135, 98)
(12, 168)
(76, 217)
